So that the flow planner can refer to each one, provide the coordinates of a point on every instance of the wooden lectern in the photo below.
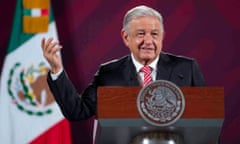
(120, 121)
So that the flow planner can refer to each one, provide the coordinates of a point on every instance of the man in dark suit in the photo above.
(142, 33)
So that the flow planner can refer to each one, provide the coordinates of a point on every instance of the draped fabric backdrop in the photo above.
(207, 30)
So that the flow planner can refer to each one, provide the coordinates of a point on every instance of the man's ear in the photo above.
(124, 35)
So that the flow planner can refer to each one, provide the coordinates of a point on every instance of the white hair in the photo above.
(141, 11)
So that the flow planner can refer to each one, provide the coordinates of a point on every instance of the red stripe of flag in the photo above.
(44, 12)
(58, 134)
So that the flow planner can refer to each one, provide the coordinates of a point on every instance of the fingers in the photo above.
(43, 42)
(51, 50)
(50, 46)
(49, 42)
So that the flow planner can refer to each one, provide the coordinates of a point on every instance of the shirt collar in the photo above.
(138, 65)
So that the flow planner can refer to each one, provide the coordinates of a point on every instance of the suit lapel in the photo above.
(164, 67)
(129, 73)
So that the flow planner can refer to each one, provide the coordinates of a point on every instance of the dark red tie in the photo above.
(147, 74)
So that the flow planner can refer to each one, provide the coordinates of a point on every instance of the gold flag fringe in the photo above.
(36, 24)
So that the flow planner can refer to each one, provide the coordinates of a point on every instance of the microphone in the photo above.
(180, 76)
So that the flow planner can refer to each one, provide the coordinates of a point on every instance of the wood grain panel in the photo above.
(201, 102)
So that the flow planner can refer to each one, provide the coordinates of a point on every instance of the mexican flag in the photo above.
(28, 111)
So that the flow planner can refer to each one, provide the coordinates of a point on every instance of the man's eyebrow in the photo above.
(140, 30)
(155, 30)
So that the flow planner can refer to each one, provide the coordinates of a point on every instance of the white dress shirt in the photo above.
(138, 66)
(55, 76)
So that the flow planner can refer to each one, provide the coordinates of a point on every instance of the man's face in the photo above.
(144, 38)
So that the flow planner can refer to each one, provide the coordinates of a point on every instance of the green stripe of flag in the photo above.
(27, 12)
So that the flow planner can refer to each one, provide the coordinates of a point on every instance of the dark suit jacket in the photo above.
(122, 72)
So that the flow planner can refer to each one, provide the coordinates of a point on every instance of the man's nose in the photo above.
(148, 39)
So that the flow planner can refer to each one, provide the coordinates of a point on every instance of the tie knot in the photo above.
(146, 69)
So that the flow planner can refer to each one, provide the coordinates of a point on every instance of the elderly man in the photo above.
(143, 34)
